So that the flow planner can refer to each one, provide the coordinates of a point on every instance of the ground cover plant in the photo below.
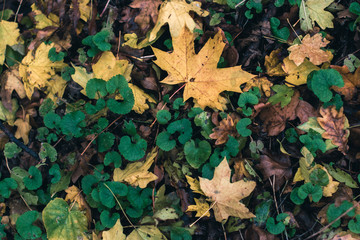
(174, 119)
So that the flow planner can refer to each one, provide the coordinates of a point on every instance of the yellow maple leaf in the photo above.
(146, 232)
(312, 11)
(73, 194)
(23, 128)
(262, 83)
(11, 81)
(194, 185)
(137, 174)
(176, 14)
(201, 207)
(116, 232)
(297, 75)
(310, 47)
(273, 64)
(84, 8)
(56, 88)
(42, 20)
(225, 195)
(9, 34)
(203, 80)
(81, 77)
(36, 69)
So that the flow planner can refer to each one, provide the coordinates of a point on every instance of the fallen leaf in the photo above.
(262, 83)
(146, 232)
(201, 207)
(56, 88)
(23, 128)
(9, 34)
(240, 170)
(73, 194)
(351, 80)
(148, 12)
(137, 174)
(194, 185)
(336, 126)
(310, 48)
(297, 75)
(42, 20)
(84, 8)
(81, 77)
(176, 14)
(273, 64)
(141, 98)
(257, 233)
(36, 69)
(115, 233)
(227, 127)
(203, 80)
(10, 81)
(225, 195)
(312, 11)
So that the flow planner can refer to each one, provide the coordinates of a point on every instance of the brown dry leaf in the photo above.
(278, 165)
(336, 126)
(201, 207)
(262, 83)
(297, 75)
(350, 79)
(23, 128)
(148, 13)
(225, 195)
(73, 194)
(273, 65)
(203, 80)
(10, 81)
(239, 170)
(257, 233)
(348, 235)
(227, 127)
(310, 48)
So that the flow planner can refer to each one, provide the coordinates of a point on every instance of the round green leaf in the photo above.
(72, 124)
(94, 87)
(319, 177)
(163, 116)
(274, 228)
(164, 142)
(34, 180)
(132, 150)
(54, 56)
(105, 141)
(241, 127)
(25, 227)
(295, 198)
(11, 150)
(334, 212)
(113, 157)
(6, 185)
(87, 183)
(354, 226)
(61, 220)
(245, 99)
(51, 120)
(183, 127)
(48, 151)
(119, 83)
(101, 40)
(55, 172)
(314, 191)
(107, 220)
(196, 153)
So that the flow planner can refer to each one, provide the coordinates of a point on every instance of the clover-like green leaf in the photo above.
(282, 33)
(295, 198)
(25, 227)
(96, 88)
(283, 95)
(291, 135)
(129, 128)
(55, 172)
(134, 197)
(105, 141)
(11, 150)
(52, 120)
(88, 41)
(322, 80)
(91, 109)
(48, 151)
(245, 99)
(113, 157)
(63, 221)
(132, 150)
(353, 225)
(66, 73)
(46, 106)
(163, 116)
(275, 228)
(334, 212)
(54, 56)
(178, 103)
(313, 142)
(101, 40)
(87, 183)
(107, 220)
(183, 127)
(72, 124)
(6, 185)
(119, 83)
(197, 152)
(355, 8)
(106, 197)
(241, 127)
(164, 142)
(319, 177)
(335, 101)
(313, 191)
(34, 180)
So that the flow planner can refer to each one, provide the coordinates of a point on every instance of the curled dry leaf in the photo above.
(310, 48)
(23, 128)
(201, 207)
(148, 13)
(226, 127)
(336, 126)
(262, 83)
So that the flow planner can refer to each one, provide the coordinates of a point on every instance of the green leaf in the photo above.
(72, 124)
(334, 212)
(56, 57)
(319, 177)
(55, 172)
(262, 211)
(113, 157)
(34, 180)
(355, 226)
(52, 120)
(66, 73)
(105, 141)
(93, 48)
(119, 83)
(164, 142)
(48, 151)
(6, 185)
(163, 116)
(129, 128)
(183, 127)
(274, 228)
(96, 88)
(132, 149)
(25, 227)
(313, 191)
(245, 99)
(322, 80)
(180, 233)
(291, 135)
(295, 198)
(279, 3)
(11, 150)
(282, 33)
(107, 220)
(341, 176)
(178, 103)
(61, 220)
(351, 61)
(91, 109)
(355, 8)
(87, 183)
(46, 106)
(335, 101)
(313, 142)
(101, 40)
(106, 197)
(283, 95)
(241, 127)
(197, 152)
(203, 120)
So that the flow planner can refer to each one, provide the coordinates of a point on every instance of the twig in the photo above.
(211, 206)
(17, 11)
(103, 11)
(18, 142)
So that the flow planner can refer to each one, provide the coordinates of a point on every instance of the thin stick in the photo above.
(104, 8)
(17, 11)
(211, 206)
(7, 165)
(239, 3)
(293, 30)
(3, 10)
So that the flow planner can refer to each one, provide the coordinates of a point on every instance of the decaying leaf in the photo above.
(146, 232)
(262, 83)
(9, 34)
(56, 88)
(336, 126)
(201, 207)
(273, 64)
(194, 185)
(227, 127)
(10, 81)
(43, 21)
(137, 174)
(36, 69)
(351, 81)
(116, 232)
(81, 77)
(203, 80)
(225, 195)
(176, 14)
(84, 9)
(312, 11)
(310, 48)
(148, 12)
(23, 128)
(73, 194)
(297, 75)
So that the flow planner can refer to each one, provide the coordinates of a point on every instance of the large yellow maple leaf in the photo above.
(9, 34)
(226, 195)
(204, 81)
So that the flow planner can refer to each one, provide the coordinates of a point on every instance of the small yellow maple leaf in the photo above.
(262, 83)
(114, 233)
(225, 195)
(84, 8)
(81, 77)
(9, 34)
(36, 69)
(56, 88)
(310, 47)
(203, 80)
(194, 185)
(137, 174)
(73, 194)
(42, 20)
(201, 207)
(176, 14)
(273, 64)
(23, 128)
(312, 11)
(297, 75)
